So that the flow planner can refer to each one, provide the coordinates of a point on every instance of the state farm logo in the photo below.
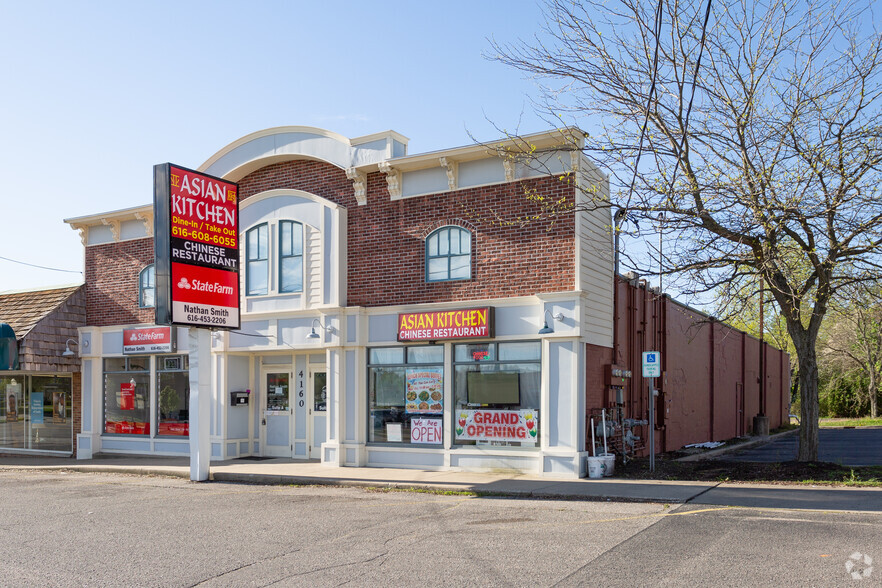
(201, 286)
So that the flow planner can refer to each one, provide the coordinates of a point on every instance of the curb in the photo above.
(730, 448)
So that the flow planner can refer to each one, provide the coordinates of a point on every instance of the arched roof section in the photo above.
(279, 144)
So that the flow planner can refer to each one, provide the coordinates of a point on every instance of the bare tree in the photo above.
(774, 172)
(853, 338)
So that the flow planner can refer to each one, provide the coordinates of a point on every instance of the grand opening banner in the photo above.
(196, 236)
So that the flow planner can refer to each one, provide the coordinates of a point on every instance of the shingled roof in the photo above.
(23, 310)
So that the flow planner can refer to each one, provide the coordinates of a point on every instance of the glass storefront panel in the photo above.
(173, 404)
(50, 413)
(406, 395)
(127, 396)
(497, 394)
(36, 412)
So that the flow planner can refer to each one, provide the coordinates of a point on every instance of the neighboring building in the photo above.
(387, 319)
(41, 399)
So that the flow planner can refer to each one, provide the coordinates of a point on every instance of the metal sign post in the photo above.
(651, 370)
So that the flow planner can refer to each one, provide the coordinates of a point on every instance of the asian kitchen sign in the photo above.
(196, 218)
(148, 340)
(446, 324)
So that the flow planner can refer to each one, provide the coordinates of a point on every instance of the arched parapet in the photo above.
(279, 144)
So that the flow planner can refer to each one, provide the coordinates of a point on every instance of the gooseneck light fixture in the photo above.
(68, 352)
(545, 328)
(313, 335)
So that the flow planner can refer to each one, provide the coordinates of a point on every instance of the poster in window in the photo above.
(58, 409)
(424, 391)
(36, 408)
(127, 396)
(13, 390)
(519, 426)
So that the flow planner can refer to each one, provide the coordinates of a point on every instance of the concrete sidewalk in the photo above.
(287, 471)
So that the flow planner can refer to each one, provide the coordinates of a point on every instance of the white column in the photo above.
(200, 403)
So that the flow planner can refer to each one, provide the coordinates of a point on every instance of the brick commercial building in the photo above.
(392, 317)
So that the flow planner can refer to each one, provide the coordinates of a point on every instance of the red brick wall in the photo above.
(112, 282)
(386, 244)
(386, 239)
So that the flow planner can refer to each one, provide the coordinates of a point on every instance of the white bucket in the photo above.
(595, 466)
(609, 463)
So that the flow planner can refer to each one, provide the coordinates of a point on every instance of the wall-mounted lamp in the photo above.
(313, 335)
(545, 328)
(67, 350)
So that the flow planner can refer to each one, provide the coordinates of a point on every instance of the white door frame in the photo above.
(314, 451)
(264, 371)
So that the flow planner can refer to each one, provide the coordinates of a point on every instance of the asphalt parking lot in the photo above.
(850, 447)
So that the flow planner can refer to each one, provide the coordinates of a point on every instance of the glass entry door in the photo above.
(275, 422)
(318, 412)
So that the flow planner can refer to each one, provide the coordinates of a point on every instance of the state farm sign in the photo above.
(197, 248)
(148, 340)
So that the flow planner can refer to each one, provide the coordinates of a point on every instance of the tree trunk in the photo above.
(809, 411)
(874, 409)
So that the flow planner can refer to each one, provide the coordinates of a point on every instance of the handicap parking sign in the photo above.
(651, 364)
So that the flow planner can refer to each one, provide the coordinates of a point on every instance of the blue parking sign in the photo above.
(651, 364)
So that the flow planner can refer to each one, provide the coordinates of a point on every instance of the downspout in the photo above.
(712, 372)
(618, 220)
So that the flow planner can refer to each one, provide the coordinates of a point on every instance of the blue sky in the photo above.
(96, 93)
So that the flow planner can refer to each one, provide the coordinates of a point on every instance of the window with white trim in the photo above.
(147, 287)
(290, 256)
(257, 260)
(449, 254)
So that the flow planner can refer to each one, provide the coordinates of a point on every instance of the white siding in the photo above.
(594, 270)
(312, 266)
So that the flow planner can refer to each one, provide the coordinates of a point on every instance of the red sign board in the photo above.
(197, 248)
(148, 340)
(446, 324)
(127, 396)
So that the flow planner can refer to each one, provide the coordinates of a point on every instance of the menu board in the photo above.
(424, 391)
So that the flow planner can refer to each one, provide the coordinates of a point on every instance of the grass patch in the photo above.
(789, 472)
(861, 422)
(422, 491)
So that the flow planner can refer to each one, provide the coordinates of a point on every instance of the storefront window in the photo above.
(173, 404)
(36, 412)
(406, 394)
(497, 393)
(127, 395)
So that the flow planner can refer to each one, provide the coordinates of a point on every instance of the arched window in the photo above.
(147, 287)
(257, 260)
(290, 256)
(449, 254)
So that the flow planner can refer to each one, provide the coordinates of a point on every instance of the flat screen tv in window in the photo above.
(494, 388)
(389, 386)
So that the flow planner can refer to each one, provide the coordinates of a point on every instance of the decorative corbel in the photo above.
(84, 233)
(114, 227)
(509, 165)
(359, 185)
(393, 179)
(147, 219)
(452, 168)
(575, 160)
